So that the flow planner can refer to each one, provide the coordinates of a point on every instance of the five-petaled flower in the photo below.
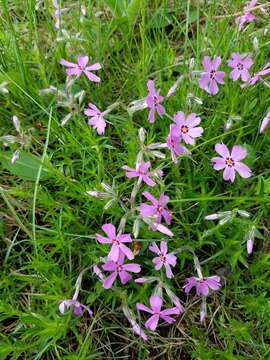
(163, 258)
(240, 66)
(211, 76)
(202, 285)
(174, 144)
(248, 16)
(117, 241)
(186, 127)
(96, 118)
(153, 101)
(230, 162)
(81, 67)
(156, 312)
(78, 307)
(258, 76)
(142, 173)
(120, 269)
(158, 209)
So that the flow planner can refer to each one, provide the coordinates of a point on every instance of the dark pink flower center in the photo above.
(213, 74)
(162, 258)
(115, 242)
(184, 129)
(156, 100)
(81, 67)
(119, 268)
(159, 208)
(229, 162)
(142, 172)
(240, 66)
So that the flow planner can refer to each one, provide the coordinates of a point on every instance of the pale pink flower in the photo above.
(135, 326)
(265, 123)
(240, 66)
(157, 209)
(81, 67)
(202, 285)
(120, 269)
(186, 127)
(248, 16)
(163, 258)
(174, 144)
(96, 118)
(157, 313)
(211, 76)
(153, 101)
(258, 76)
(118, 242)
(142, 173)
(78, 307)
(230, 162)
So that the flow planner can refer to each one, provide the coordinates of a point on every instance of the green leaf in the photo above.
(26, 166)
(132, 11)
(266, 187)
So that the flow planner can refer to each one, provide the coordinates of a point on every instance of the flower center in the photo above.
(184, 129)
(115, 242)
(156, 100)
(162, 258)
(240, 66)
(119, 268)
(229, 162)
(213, 74)
(160, 208)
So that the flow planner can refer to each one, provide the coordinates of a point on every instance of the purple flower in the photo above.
(248, 16)
(157, 313)
(211, 76)
(174, 144)
(240, 66)
(231, 162)
(142, 173)
(120, 269)
(96, 118)
(135, 326)
(265, 122)
(258, 76)
(163, 258)
(117, 242)
(78, 307)
(186, 127)
(81, 67)
(153, 101)
(157, 209)
(202, 285)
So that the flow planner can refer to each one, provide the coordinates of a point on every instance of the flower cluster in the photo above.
(146, 203)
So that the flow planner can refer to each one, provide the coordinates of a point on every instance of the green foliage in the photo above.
(43, 254)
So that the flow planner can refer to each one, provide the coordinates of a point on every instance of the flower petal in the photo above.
(238, 153)
(108, 281)
(222, 150)
(156, 303)
(242, 169)
(229, 174)
(109, 229)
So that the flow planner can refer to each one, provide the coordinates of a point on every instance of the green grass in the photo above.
(48, 222)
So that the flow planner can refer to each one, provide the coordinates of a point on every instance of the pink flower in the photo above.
(78, 307)
(202, 285)
(240, 66)
(120, 269)
(258, 76)
(250, 244)
(153, 101)
(248, 16)
(186, 127)
(265, 122)
(96, 118)
(142, 173)
(81, 67)
(174, 144)
(117, 242)
(163, 258)
(157, 313)
(211, 76)
(157, 209)
(231, 162)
